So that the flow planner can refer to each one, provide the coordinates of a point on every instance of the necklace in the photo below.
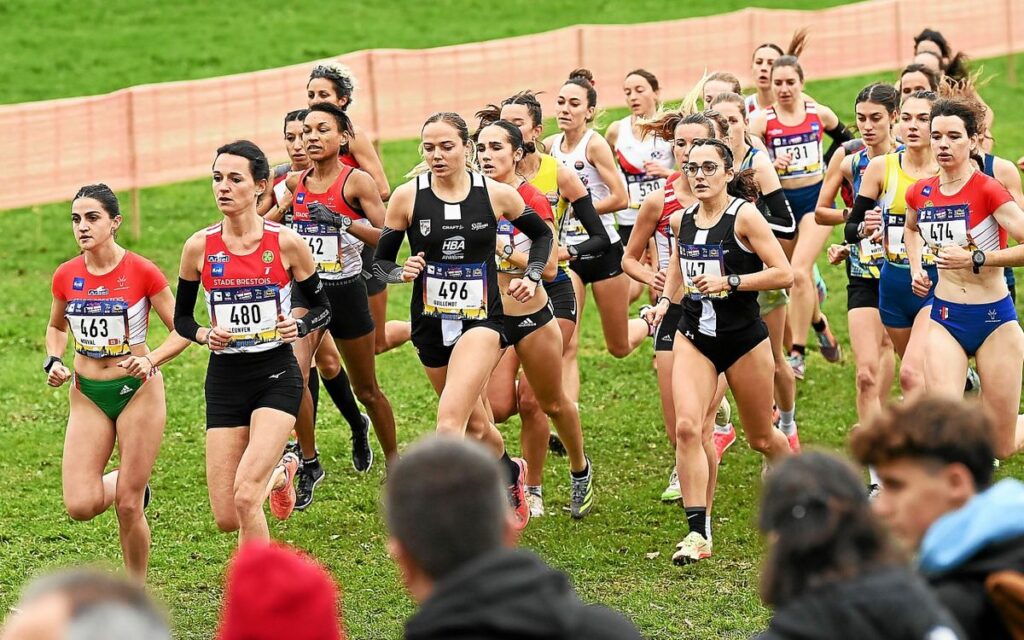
(942, 184)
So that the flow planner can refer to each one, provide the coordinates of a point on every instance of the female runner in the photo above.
(530, 326)
(877, 109)
(451, 216)
(583, 150)
(761, 63)
(880, 211)
(562, 187)
(917, 77)
(724, 252)
(103, 297)
(337, 210)
(247, 266)
(793, 129)
(965, 217)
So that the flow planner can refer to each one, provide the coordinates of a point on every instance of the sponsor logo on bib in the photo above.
(926, 190)
(477, 226)
(217, 270)
(300, 197)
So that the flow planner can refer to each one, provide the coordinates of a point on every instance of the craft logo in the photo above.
(268, 256)
(78, 284)
(217, 270)
(98, 291)
(424, 227)
(218, 258)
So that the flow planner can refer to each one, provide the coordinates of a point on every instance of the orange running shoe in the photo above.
(794, 440)
(723, 440)
(282, 499)
(517, 497)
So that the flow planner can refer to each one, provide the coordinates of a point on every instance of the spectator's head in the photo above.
(445, 506)
(932, 455)
(276, 592)
(816, 516)
(85, 604)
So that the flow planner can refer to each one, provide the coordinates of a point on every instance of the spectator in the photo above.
(451, 526)
(935, 459)
(831, 571)
(85, 604)
(274, 592)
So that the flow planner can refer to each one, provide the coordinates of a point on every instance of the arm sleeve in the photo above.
(185, 309)
(839, 135)
(599, 241)
(319, 306)
(779, 214)
(385, 268)
(531, 224)
(861, 205)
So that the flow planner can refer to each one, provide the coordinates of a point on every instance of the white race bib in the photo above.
(944, 226)
(323, 242)
(701, 260)
(455, 291)
(641, 186)
(100, 327)
(804, 151)
(871, 251)
(249, 314)
(895, 251)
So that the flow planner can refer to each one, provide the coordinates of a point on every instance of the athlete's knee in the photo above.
(83, 508)
(911, 379)
(689, 432)
(368, 393)
(503, 408)
(128, 505)
(867, 378)
(619, 349)
(248, 497)
(802, 278)
(226, 522)
(761, 443)
(556, 408)
(329, 365)
(528, 404)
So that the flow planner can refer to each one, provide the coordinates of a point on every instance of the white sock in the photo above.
(723, 428)
(873, 475)
(707, 527)
(534, 489)
(786, 423)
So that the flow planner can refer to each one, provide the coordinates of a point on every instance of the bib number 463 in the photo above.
(94, 328)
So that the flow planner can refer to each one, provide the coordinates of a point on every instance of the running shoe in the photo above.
(828, 345)
(797, 364)
(693, 548)
(307, 480)
(820, 286)
(794, 440)
(973, 384)
(873, 491)
(724, 414)
(535, 500)
(517, 497)
(292, 447)
(776, 415)
(362, 452)
(581, 495)
(650, 327)
(672, 492)
(555, 445)
(282, 499)
(147, 496)
(723, 440)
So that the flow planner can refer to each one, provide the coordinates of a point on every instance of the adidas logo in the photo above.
(667, 337)
(527, 323)
(125, 390)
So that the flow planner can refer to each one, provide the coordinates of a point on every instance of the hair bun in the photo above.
(583, 74)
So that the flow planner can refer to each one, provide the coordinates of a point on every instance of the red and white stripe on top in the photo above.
(246, 293)
(663, 232)
(801, 142)
(964, 218)
(108, 314)
(338, 254)
(535, 199)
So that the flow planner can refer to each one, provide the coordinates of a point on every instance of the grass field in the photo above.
(606, 555)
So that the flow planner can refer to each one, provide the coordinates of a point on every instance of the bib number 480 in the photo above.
(243, 314)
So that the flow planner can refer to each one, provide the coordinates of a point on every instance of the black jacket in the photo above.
(962, 590)
(512, 594)
(889, 604)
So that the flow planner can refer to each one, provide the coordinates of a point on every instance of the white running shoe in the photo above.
(535, 500)
(672, 492)
(693, 548)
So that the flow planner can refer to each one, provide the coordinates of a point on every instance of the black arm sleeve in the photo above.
(319, 306)
(540, 234)
(839, 135)
(599, 241)
(861, 205)
(385, 268)
(185, 309)
(779, 214)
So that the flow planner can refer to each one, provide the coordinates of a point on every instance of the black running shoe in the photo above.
(362, 452)
(555, 446)
(305, 483)
(292, 447)
(147, 495)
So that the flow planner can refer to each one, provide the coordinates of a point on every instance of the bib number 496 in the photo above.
(453, 290)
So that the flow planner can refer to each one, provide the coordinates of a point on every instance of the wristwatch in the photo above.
(533, 274)
(507, 251)
(50, 361)
(734, 282)
(846, 214)
(573, 251)
(978, 260)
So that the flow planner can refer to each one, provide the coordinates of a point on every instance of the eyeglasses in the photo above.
(707, 168)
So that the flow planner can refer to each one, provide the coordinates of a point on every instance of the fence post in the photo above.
(1011, 54)
(374, 111)
(133, 169)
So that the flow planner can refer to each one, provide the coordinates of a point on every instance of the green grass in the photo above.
(606, 555)
(55, 49)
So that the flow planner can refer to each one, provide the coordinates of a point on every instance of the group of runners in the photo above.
(716, 211)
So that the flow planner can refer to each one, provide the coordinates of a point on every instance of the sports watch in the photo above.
(978, 260)
(572, 251)
(533, 274)
(734, 282)
(50, 361)
(507, 251)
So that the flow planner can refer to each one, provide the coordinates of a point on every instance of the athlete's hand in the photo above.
(499, 246)
(320, 213)
(59, 374)
(287, 328)
(837, 253)
(710, 284)
(782, 161)
(658, 282)
(563, 254)
(217, 339)
(872, 222)
(654, 315)
(920, 283)
(522, 289)
(413, 266)
(285, 201)
(656, 170)
(953, 256)
(137, 366)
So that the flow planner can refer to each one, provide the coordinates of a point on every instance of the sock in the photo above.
(799, 348)
(786, 423)
(535, 489)
(341, 393)
(512, 467)
(707, 526)
(819, 326)
(723, 428)
(697, 518)
(314, 390)
(581, 474)
(873, 475)
(312, 463)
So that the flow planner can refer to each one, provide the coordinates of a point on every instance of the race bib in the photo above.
(701, 260)
(640, 186)
(947, 225)
(572, 231)
(895, 251)
(100, 327)
(323, 242)
(804, 152)
(870, 252)
(507, 233)
(249, 314)
(455, 291)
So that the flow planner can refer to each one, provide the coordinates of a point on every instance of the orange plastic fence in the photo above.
(155, 134)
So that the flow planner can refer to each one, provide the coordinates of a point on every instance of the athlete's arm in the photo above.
(142, 366)
(920, 282)
(298, 259)
(646, 223)
(757, 126)
(396, 221)
(362, 150)
(599, 153)
(361, 190)
(673, 279)
(507, 202)
(611, 134)
(866, 200)
(753, 230)
(825, 213)
(780, 215)
(521, 259)
(835, 129)
(189, 274)
(275, 213)
(1008, 176)
(56, 342)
